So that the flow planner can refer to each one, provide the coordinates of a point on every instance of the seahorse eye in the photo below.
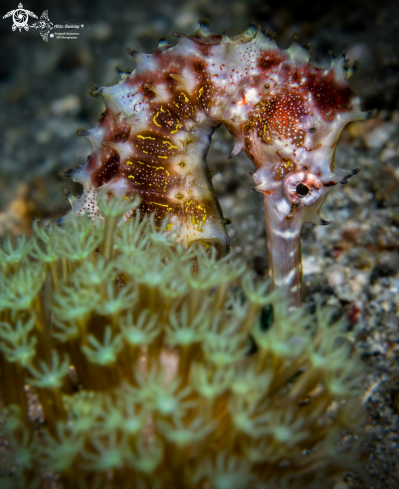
(302, 187)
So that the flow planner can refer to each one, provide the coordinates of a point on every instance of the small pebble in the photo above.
(376, 138)
(335, 279)
(71, 103)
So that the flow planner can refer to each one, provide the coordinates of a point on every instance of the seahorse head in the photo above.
(292, 132)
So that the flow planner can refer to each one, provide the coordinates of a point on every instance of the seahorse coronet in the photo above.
(154, 136)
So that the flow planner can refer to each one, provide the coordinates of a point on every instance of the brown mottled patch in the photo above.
(202, 46)
(290, 72)
(329, 95)
(158, 206)
(278, 116)
(148, 177)
(205, 94)
(329, 183)
(166, 118)
(109, 165)
(150, 143)
(183, 105)
(199, 66)
(208, 40)
(269, 60)
(116, 130)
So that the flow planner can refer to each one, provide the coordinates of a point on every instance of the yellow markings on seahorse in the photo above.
(169, 226)
(202, 209)
(154, 119)
(166, 111)
(165, 141)
(155, 168)
(134, 181)
(162, 205)
(163, 157)
(156, 115)
(145, 137)
(186, 99)
(188, 204)
(200, 91)
(179, 125)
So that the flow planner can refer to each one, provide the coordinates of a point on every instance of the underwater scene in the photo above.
(199, 244)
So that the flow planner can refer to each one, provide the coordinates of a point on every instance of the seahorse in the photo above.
(285, 114)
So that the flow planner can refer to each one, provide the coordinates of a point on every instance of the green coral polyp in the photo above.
(126, 361)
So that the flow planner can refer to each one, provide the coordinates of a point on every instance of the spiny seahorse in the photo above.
(285, 114)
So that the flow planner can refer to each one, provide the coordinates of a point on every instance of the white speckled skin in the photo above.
(157, 128)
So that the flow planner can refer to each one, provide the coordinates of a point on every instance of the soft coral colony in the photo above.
(132, 355)
(127, 362)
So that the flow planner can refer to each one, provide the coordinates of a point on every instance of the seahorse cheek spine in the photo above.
(156, 131)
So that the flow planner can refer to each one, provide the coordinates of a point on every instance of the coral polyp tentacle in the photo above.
(287, 115)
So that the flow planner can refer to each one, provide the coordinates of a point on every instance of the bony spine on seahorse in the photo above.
(155, 134)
